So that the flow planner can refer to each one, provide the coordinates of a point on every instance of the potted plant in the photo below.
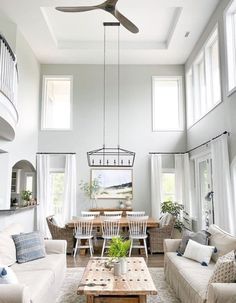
(91, 189)
(177, 210)
(118, 251)
(26, 196)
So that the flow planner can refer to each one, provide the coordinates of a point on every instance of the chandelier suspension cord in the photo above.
(118, 101)
(104, 88)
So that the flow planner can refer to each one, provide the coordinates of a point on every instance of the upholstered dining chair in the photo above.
(137, 232)
(110, 229)
(61, 233)
(82, 232)
(158, 234)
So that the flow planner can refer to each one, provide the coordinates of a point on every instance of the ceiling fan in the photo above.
(108, 6)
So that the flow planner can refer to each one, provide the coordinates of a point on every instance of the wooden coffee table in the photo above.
(132, 287)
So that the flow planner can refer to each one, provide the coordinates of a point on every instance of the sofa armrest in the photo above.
(222, 293)
(14, 293)
(171, 245)
(55, 246)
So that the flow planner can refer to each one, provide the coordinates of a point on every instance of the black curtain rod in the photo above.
(189, 151)
(56, 153)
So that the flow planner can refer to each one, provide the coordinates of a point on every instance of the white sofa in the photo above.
(39, 280)
(189, 279)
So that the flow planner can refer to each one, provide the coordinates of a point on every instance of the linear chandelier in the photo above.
(111, 156)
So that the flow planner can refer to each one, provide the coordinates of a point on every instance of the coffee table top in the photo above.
(137, 280)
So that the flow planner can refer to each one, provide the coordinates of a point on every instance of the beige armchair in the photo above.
(61, 233)
(158, 234)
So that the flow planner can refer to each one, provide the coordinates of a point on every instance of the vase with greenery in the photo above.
(91, 190)
(118, 250)
(176, 210)
(26, 196)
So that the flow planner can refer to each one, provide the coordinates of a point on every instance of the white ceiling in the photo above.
(57, 37)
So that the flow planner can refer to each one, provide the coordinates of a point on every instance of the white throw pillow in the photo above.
(198, 252)
(7, 250)
(7, 275)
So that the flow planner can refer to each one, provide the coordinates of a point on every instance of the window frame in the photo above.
(179, 80)
(195, 113)
(43, 105)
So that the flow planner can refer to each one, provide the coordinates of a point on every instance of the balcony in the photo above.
(8, 91)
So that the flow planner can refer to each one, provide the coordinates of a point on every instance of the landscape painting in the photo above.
(114, 183)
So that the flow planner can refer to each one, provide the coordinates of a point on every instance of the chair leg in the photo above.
(91, 247)
(145, 246)
(76, 246)
(103, 247)
(131, 246)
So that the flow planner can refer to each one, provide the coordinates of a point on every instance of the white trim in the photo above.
(179, 80)
(43, 107)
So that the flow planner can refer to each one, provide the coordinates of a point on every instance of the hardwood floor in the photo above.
(155, 260)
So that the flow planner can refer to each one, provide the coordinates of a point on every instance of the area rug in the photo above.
(73, 276)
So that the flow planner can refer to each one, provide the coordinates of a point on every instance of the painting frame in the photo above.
(116, 183)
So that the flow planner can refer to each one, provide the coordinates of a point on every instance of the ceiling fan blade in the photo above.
(76, 9)
(126, 22)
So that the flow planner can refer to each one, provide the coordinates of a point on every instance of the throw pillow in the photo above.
(200, 237)
(223, 241)
(224, 271)
(7, 275)
(29, 246)
(7, 250)
(198, 252)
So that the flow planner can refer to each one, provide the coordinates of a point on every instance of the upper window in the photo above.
(167, 103)
(230, 19)
(56, 105)
(203, 81)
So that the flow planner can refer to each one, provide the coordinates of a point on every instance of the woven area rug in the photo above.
(73, 276)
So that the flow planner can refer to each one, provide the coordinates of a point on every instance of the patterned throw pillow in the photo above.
(29, 246)
(199, 237)
(224, 271)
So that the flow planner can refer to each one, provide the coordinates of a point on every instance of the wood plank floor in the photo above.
(155, 260)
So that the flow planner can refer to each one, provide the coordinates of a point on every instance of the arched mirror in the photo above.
(23, 184)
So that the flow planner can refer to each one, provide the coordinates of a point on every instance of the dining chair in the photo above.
(138, 231)
(135, 213)
(82, 232)
(96, 231)
(113, 213)
(110, 229)
(90, 213)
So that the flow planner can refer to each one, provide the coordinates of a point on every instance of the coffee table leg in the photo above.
(90, 299)
(142, 299)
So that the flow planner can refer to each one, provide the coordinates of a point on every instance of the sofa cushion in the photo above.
(7, 249)
(200, 237)
(198, 252)
(29, 246)
(223, 241)
(224, 271)
(7, 275)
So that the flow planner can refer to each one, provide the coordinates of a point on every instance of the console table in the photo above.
(124, 210)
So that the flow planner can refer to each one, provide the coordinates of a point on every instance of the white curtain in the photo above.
(223, 202)
(69, 205)
(43, 193)
(156, 181)
(182, 181)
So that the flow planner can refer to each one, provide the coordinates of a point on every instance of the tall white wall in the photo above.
(135, 122)
(26, 141)
(223, 116)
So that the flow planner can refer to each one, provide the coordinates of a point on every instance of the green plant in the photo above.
(26, 195)
(90, 189)
(177, 210)
(119, 248)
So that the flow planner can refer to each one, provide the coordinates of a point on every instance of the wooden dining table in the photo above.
(97, 222)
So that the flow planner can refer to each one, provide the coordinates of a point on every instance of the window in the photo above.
(57, 191)
(230, 20)
(56, 105)
(168, 186)
(203, 81)
(167, 103)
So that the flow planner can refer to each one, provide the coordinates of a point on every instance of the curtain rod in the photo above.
(56, 153)
(189, 151)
